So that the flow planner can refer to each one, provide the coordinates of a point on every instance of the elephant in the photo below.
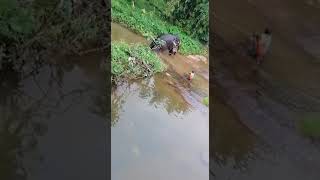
(166, 42)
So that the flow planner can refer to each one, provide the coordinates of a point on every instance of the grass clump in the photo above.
(134, 61)
(310, 125)
(149, 25)
(205, 101)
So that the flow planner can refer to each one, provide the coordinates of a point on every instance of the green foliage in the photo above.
(134, 61)
(205, 101)
(310, 125)
(193, 15)
(28, 27)
(15, 21)
(150, 25)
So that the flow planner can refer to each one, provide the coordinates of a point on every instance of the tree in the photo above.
(194, 16)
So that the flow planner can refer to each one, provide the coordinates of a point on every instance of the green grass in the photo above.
(149, 25)
(205, 101)
(134, 61)
(310, 125)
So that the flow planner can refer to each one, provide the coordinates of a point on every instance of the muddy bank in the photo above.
(178, 68)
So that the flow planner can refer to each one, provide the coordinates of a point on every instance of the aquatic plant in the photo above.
(150, 25)
(134, 61)
(310, 125)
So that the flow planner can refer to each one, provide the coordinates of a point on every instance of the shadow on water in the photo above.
(49, 123)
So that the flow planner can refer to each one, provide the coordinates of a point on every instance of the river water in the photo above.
(53, 122)
(160, 127)
(161, 131)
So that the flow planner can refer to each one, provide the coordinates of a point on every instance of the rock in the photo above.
(202, 58)
(197, 58)
(170, 83)
(192, 57)
(131, 58)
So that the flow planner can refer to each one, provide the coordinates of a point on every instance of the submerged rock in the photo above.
(198, 58)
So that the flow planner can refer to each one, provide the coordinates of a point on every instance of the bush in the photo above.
(15, 21)
(310, 125)
(28, 28)
(194, 17)
(133, 61)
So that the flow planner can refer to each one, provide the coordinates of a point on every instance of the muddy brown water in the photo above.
(52, 124)
(160, 129)
(174, 108)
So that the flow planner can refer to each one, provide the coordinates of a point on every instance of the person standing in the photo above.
(266, 38)
(259, 49)
(263, 45)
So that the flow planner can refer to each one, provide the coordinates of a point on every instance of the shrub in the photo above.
(133, 61)
(310, 125)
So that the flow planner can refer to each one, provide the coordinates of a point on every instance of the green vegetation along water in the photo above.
(150, 25)
(134, 61)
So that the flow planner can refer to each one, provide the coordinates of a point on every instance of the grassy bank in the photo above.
(310, 125)
(149, 25)
(133, 61)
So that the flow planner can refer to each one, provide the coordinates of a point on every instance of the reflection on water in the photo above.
(46, 125)
(157, 90)
(155, 135)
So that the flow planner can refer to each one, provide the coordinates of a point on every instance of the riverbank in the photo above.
(150, 117)
(150, 25)
(133, 61)
(177, 67)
